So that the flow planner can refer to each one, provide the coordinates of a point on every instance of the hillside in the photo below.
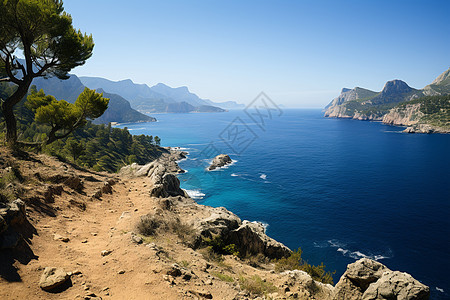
(388, 105)
(157, 98)
(79, 234)
(119, 109)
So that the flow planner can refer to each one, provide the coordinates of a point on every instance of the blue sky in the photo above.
(301, 53)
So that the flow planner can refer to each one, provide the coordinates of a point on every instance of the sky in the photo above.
(300, 53)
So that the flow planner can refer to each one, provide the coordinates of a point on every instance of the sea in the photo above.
(339, 189)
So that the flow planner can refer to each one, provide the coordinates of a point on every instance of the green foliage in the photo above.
(218, 245)
(256, 285)
(64, 117)
(10, 175)
(223, 277)
(289, 263)
(44, 32)
(295, 262)
(435, 109)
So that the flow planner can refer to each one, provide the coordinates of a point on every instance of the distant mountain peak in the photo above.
(395, 86)
(344, 90)
(442, 77)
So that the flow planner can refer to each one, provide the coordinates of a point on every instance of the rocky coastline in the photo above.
(86, 243)
(364, 279)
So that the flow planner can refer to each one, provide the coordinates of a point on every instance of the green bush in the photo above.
(218, 245)
(256, 285)
(295, 262)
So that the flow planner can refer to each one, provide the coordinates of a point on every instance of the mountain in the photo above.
(156, 98)
(119, 109)
(397, 104)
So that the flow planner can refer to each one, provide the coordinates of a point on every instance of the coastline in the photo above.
(91, 235)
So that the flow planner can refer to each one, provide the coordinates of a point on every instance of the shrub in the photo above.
(295, 262)
(256, 285)
(148, 225)
(219, 246)
(223, 277)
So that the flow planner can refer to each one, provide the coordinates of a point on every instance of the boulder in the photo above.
(251, 239)
(220, 161)
(397, 285)
(52, 277)
(367, 279)
(220, 222)
(167, 186)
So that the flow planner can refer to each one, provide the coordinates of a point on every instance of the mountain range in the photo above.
(398, 104)
(119, 109)
(158, 98)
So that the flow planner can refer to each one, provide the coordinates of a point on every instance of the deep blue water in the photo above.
(339, 189)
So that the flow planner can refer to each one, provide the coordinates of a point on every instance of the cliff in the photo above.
(390, 105)
(78, 234)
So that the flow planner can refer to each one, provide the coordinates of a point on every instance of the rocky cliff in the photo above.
(390, 106)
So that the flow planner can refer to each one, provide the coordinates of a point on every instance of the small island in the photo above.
(219, 161)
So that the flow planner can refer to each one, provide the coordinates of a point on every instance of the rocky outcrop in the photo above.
(12, 215)
(367, 279)
(167, 186)
(251, 239)
(220, 161)
(161, 173)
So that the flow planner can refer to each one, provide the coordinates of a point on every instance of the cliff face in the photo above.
(403, 116)
(388, 105)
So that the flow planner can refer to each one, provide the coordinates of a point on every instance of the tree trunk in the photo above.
(8, 112)
(11, 124)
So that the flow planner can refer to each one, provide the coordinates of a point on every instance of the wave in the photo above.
(131, 129)
(440, 290)
(195, 194)
(263, 176)
(355, 254)
(234, 175)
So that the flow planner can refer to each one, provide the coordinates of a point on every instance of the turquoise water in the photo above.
(339, 189)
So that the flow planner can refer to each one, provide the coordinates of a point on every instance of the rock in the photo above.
(52, 278)
(167, 186)
(106, 252)
(16, 213)
(220, 222)
(106, 188)
(74, 182)
(98, 194)
(121, 272)
(51, 191)
(174, 271)
(250, 239)
(409, 129)
(136, 239)
(220, 161)
(397, 285)
(369, 279)
(58, 237)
